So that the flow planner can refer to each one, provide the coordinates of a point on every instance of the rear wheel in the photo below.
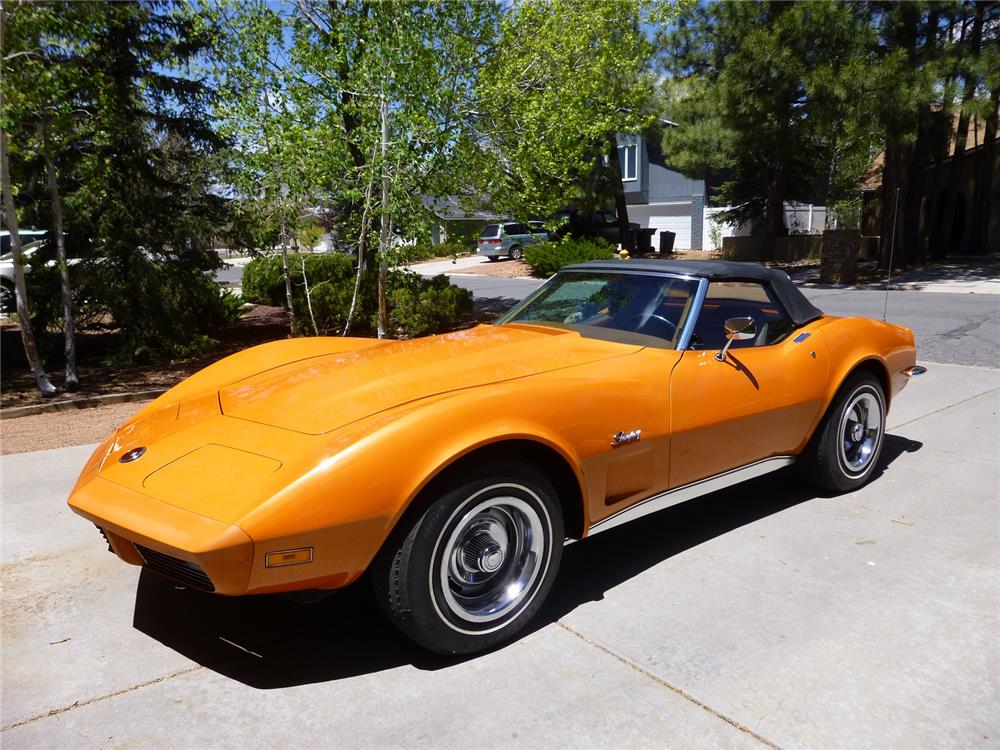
(471, 571)
(516, 253)
(493, 257)
(846, 448)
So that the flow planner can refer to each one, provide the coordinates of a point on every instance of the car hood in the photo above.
(323, 393)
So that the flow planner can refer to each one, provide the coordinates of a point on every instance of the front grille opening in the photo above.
(181, 571)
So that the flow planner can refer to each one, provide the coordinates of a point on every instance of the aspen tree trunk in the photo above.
(383, 242)
(72, 376)
(27, 334)
(288, 280)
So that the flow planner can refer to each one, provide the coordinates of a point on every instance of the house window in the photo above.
(627, 158)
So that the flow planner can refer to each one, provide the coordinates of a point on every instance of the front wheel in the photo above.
(847, 445)
(471, 571)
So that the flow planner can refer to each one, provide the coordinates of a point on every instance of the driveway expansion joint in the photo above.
(99, 698)
(673, 688)
(945, 408)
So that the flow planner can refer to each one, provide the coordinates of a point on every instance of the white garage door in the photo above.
(671, 217)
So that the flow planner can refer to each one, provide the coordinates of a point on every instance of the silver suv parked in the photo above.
(510, 238)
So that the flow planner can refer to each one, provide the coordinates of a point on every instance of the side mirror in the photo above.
(737, 329)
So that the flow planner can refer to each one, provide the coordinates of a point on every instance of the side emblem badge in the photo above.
(132, 455)
(624, 438)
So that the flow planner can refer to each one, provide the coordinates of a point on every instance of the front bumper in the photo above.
(170, 540)
(486, 250)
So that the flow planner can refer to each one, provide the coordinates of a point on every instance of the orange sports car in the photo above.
(453, 468)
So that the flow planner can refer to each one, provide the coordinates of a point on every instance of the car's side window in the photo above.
(739, 299)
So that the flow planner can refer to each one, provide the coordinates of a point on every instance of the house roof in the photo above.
(799, 309)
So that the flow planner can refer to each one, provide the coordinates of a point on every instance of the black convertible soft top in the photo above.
(799, 309)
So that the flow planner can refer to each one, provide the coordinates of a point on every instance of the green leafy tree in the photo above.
(46, 100)
(18, 54)
(374, 101)
(565, 79)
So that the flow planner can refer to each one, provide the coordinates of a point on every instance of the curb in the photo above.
(86, 402)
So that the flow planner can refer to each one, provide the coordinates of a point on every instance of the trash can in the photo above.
(646, 240)
(667, 242)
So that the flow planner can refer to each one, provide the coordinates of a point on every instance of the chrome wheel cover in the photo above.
(489, 558)
(860, 431)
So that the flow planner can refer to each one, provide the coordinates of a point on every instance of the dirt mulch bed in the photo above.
(259, 325)
(62, 429)
(505, 268)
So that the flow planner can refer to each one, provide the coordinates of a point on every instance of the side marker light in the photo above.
(288, 557)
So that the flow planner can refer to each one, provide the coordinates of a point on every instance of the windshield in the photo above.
(648, 310)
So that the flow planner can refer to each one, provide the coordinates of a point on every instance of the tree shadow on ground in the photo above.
(271, 642)
(492, 307)
(954, 269)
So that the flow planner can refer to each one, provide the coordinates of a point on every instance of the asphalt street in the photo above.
(762, 615)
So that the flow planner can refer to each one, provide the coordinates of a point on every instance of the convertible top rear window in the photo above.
(646, 310)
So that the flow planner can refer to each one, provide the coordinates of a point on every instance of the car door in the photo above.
(760, 401)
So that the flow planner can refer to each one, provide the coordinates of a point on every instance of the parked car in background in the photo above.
(31, 240)
(602, 224)
(511, 238)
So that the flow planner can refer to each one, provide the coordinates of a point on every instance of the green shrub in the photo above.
(548, 257)
(419, 306)
(416, 306)
(264, 284)
(161, 309)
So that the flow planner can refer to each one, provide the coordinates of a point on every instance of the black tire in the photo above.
(445, 577)
(848, 442)
(516, 253)
(493, 258)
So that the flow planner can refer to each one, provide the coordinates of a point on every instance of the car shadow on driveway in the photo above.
(270, 642)
(590, 569)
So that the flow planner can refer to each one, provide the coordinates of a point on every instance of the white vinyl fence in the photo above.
(800, 218)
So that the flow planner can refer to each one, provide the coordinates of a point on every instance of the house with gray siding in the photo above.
(658, 197)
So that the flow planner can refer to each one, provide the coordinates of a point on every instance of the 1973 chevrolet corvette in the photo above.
(452, 468)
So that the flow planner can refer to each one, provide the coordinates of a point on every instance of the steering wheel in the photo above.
(642, 321)
(660, 319)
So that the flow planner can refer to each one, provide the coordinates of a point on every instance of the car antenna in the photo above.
(892, 247)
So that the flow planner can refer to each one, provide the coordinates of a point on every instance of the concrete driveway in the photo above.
(760, 615)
